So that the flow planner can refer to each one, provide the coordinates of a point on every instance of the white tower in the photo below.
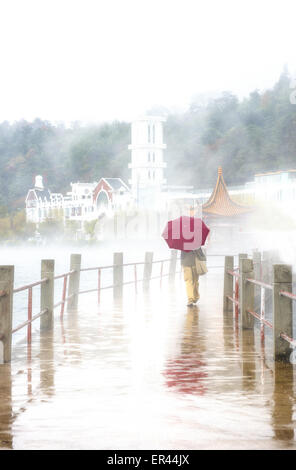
(147, 163)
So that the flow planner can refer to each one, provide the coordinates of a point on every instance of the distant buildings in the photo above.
(85, 201)
(88, 201)
(41, 203)
(148, 188)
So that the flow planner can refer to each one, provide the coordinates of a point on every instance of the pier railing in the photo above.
(70, 291)
(249, 282)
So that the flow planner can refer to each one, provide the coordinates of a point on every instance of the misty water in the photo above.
(145, 372)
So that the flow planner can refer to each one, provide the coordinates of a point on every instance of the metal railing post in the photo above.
(228, 284)
(6, 309)
(246, 292)
(147, 269)
(282, 310)
(173, 264)
(47, 294)
(117, 275)
(74, 282)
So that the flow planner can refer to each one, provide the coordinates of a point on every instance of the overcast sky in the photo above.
(94, 60)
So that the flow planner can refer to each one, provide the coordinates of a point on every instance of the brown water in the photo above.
(147, 373)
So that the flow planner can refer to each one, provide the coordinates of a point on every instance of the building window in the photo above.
(151, 133)
(102, 201)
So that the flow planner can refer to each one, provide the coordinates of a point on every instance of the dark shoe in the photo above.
(190, 304)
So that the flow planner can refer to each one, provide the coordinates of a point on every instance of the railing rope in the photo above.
(26, 323)
(290, 340)
(233, 273)
(28, 286)
(260, 283)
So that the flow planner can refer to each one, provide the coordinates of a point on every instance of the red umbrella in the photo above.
(185, 233)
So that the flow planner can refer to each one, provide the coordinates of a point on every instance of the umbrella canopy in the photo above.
(185, 233)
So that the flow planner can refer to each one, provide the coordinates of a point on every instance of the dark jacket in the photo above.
(188, 258)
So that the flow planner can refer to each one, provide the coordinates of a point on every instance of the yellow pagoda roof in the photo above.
(220, 202)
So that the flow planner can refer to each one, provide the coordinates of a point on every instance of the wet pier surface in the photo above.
(147, 373)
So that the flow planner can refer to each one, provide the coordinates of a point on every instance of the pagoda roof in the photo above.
(220, 202)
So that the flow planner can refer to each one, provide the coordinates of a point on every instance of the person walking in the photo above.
(191, 278)
(184, 233)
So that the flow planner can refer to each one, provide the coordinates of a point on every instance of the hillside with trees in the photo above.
(245, 137)
(255, 135)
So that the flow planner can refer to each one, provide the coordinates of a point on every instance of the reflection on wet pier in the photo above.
(147, 372)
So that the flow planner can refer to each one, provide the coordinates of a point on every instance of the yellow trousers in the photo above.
(191, 281)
